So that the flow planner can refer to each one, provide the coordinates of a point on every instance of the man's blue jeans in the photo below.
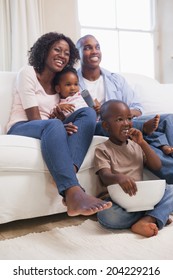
(60, 151)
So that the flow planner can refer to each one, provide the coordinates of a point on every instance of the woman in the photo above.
(34, 111)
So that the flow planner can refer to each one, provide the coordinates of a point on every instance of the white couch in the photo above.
(26, 187)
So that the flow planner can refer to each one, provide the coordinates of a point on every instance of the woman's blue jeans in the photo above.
(118, 218)
(61, 151)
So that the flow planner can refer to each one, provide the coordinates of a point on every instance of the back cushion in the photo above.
(156, 99)
(6, 89)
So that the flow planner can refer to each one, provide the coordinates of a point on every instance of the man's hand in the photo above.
(97, 106)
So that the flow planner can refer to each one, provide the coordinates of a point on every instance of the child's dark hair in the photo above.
(58, 75)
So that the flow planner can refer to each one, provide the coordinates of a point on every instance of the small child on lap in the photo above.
(67, 85)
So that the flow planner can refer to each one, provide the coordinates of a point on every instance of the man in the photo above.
(104, 85)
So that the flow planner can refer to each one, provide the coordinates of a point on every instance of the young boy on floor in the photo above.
(120, 160)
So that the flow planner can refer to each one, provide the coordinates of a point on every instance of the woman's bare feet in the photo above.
(167, 150)
(146, 226)
(150, 126)
(80, 203)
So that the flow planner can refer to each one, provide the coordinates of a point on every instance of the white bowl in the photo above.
(148, 195)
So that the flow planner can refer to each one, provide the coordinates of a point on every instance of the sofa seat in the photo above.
(27, 189)
(19, 153)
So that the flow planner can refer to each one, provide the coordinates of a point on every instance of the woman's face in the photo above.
(58, 56)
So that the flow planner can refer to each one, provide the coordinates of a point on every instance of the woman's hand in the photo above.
(71, 128)
(57, 113)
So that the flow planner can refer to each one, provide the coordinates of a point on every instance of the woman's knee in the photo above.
(53, 123)
(54, 126)
(88, 112)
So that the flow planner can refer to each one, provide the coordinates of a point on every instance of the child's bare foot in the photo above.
(146, 226)
(167, 150)
(150, 126)
(80, 203)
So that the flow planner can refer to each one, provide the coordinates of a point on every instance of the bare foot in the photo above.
(150, 126)
(80, 203)
(146, 226)
(167, 150)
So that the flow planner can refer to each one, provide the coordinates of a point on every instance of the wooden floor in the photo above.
(23, 227)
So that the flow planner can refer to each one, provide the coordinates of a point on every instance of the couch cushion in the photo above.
(89, 158)
(7, 80)
(19, 153)
(155, 98)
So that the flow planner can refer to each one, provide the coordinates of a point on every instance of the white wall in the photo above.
(61, 16)
(165, 25)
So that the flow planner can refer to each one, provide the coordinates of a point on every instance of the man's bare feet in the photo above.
(80, 203)
(150, 126)
(167, 150)
(146, 226)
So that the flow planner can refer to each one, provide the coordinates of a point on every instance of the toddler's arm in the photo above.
(67, 107)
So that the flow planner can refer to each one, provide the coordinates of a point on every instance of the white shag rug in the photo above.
(89, 241)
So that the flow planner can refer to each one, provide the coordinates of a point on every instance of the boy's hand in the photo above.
(67, 107)
(127, 184)
(136, 135)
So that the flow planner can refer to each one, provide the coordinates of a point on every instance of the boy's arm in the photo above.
(103, 169)
(127, 183)
(152, 160)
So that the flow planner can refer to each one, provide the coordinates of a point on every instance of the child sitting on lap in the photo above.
(67, 85)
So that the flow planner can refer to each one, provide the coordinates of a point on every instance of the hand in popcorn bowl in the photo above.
(148, 195)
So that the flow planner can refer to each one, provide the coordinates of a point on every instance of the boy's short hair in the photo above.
(104, 109)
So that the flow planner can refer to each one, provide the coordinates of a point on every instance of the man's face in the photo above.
(90, 53)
